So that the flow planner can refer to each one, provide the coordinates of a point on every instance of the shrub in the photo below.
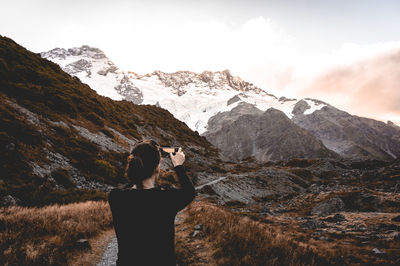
(62, 177)
(95, 119)
(107, 132)
(105, 169)
(62, 130)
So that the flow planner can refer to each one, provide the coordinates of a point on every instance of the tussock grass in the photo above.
(241, 241)
(47, 236)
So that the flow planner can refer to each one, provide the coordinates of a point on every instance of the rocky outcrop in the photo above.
(351, 136)
(128, 89)
(300, 107)
(232, 100)
(328, 207)
(247, 131)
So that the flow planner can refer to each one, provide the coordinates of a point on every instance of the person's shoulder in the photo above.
(117, 191)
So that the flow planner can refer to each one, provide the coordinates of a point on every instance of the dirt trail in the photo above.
(197, 250)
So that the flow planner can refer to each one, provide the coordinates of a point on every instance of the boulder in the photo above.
(195, 233)
(198, 227)
(328, 207)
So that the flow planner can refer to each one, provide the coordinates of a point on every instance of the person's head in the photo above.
(143, 162)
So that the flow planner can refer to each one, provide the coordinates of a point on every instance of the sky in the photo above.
(344, 52)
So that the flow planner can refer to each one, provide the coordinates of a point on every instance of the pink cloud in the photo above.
(369, 88)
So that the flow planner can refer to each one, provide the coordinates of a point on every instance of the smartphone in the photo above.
(166, 150)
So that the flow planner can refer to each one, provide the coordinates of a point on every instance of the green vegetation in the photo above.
(62, 177)
(105, 169)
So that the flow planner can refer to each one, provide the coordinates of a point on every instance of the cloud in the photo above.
(361, 79)
(368, 87)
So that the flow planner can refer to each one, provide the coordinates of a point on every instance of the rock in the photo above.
(378, 252)
(327, 207)
(396, 236)
(10, 146)
(300, 107)
(234, 99)
(8, 200)
(195, 233)
(198, 227)
(82, 243)
(396, 219)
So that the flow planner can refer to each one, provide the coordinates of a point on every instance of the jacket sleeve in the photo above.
(183, 196)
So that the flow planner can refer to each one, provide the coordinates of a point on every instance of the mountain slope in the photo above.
(60, 140)
(352, 136)
(247, 131)
(191, 97)
(195, 98)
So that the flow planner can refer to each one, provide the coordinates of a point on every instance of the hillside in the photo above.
(199, 99)
(61, 141)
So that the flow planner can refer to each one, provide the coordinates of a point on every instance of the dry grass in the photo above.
(98, 245)
(242, 241)
(48, 235)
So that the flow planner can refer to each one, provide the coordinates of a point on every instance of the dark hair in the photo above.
(143, 160)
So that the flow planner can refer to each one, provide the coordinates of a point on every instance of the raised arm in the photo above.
(183, 196)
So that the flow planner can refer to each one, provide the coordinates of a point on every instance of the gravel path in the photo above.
(111, 252)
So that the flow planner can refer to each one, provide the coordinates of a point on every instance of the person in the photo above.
(144, 214)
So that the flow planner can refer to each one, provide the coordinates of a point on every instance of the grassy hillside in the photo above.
(50, 126)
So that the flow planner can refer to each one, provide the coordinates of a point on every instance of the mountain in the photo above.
(246, 131)
(60, 141)
(349, 135)
(200, 100)
(191, 97)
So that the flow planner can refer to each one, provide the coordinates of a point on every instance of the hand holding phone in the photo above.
(178, 157)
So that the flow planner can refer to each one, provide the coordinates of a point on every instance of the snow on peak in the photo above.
(191, 97)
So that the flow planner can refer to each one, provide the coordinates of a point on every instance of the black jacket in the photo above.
(144, 221)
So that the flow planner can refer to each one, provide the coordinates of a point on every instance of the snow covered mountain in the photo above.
(198, 98)
(191, 97)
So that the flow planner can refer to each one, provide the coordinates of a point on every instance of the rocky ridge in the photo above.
(246, 131)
